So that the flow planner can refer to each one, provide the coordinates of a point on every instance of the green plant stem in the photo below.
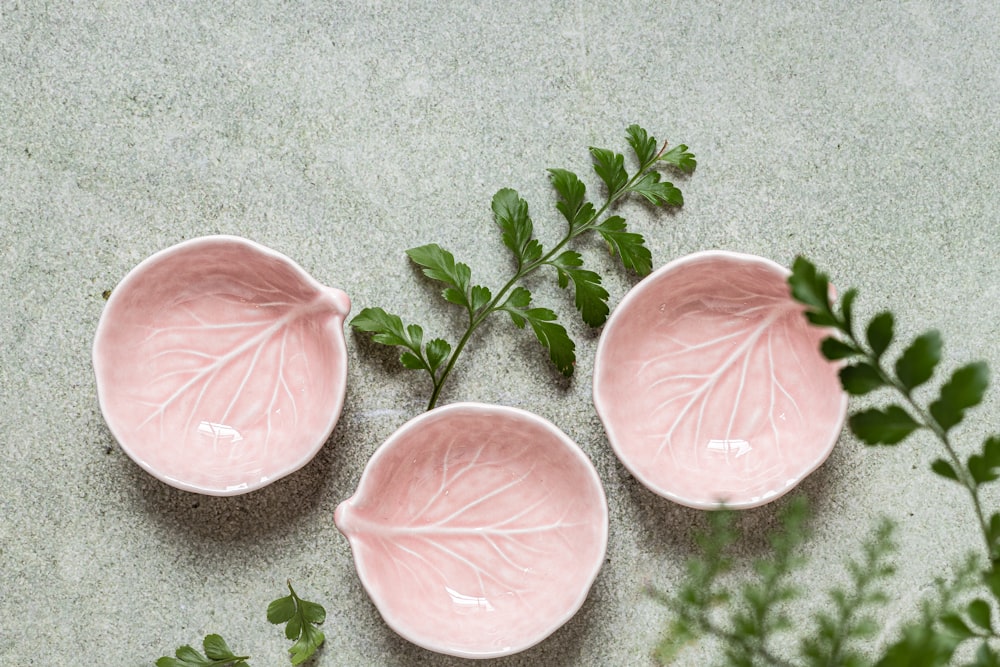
(734, 638)
(928, 422)
(477, 318)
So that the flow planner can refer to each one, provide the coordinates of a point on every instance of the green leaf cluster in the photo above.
(757, 614)
(217, 654)
(300, 618)
(437, 357)
(866, 369)
(965, 608)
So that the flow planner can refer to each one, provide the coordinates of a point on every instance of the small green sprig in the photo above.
(758, 611)
(964, 608)
(300, 618)
(935, 638)
(868, 370)
(437, 357)
(217, 654)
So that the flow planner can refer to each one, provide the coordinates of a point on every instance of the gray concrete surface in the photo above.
(864, 135)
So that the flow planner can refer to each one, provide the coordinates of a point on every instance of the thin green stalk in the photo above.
(475, 320)
(928, 422)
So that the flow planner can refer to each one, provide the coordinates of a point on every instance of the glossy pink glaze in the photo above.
(221, 364)
(711, 385)
(477, 530)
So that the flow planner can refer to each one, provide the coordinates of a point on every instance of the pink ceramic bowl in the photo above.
(221, 365)
(477, 530)
(711, 385)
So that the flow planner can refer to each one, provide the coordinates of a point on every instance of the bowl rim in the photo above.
(620, 312)
(135, 274)
(398, 623)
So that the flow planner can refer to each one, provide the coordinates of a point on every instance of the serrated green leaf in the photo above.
(643, 145)
(294, 628)
(309, 641)
(878, 427)
(980, 613)
(591, 299)
(916, 365)
(880, 332)
(680, 158)
(573, 204)
(217, 649)
(964, 390)
(312, 612)
(412, 361)
(388, 328)
(519, 298)
(657, 192)
(629, 246)
(301, 628)
(189, 656)
(511, 214)
(437, 351)
(480, 297)
(167, 661)
(860, 378)
(610, 166)
(549, 333)
(834, 349)
(415, 336)
(452, 295)
(280, 610)
(439, 264)
(944, 469)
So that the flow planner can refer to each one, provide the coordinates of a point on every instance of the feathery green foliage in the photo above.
(438, 357)
(963, 610)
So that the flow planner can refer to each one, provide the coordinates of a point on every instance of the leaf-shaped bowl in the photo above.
(221, 364)
(477, 530)
(711, 385)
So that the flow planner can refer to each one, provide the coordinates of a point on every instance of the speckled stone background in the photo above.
(864, 135)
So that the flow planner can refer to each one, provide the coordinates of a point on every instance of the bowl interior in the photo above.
(477, 530)
(711, 385)
(221, 365)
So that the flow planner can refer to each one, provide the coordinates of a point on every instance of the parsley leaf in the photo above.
(642, 144)
(389, 330)
(550, 334)
(657, 192)
(573, 203)
(591, 297)
(217, 654)
(629, 246)
(511, 215)
(610, 166)
(680, 158)
(301, 618)
(439, 264)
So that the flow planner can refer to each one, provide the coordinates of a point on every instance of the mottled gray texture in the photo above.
(864, 135)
